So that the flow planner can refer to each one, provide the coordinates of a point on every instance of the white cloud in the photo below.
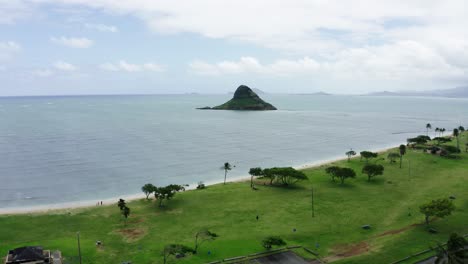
(247, 65)
(153, 67)
(8, 49)
(65, 66)
(336, 34)
(43, 73)
(102, 27)
(71, 42)
(14, 10)
(297, 24)
(405, 60)
(109, 67)
(129, 67)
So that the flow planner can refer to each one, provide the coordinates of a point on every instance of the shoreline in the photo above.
(68, 206)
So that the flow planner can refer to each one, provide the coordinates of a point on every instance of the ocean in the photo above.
(62, 150)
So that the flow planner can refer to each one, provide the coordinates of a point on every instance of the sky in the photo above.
(65, 47)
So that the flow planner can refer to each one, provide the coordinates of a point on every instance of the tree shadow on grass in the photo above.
(374, 181)
(337, 185)
(283, 187)
(168, 206)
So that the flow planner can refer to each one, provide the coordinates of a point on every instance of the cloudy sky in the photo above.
(212, 46)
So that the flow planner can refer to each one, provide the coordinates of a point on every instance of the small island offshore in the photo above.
(244, 99)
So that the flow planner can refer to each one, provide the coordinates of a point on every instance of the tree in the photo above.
(392, 156)
(368, 155)
(350, 154)
(175, 249)
(421, 139)
(254, 172)
(439, 208)
(332, 171)
(340, 173)
(345, 173)
(442, 130)
(461, 128)
(271, 241)
(227, 167)
(456, 252)
(126, 213)
(269, 173)
(166, 193)
(402, 149)
(428, 126)
(372, 170)
(284, 175)
(456, 134)
(121, 204)
(148, 189)
(202, 236)
(436, 131)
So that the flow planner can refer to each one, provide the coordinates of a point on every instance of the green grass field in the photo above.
(390, 204)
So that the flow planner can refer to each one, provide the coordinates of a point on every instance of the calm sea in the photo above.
(65, 149)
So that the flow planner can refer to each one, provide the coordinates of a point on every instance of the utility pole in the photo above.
(79, 247)
(409, 169)
(312, 192)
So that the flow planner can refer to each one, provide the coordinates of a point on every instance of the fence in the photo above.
(419, 254)
(263, 253)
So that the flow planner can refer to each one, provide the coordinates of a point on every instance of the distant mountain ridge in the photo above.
(458, 92)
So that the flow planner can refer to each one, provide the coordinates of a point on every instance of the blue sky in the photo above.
(56, 47)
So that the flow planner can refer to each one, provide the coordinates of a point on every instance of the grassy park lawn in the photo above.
(389, 203)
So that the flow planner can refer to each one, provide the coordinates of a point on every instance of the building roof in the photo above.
(26, 254)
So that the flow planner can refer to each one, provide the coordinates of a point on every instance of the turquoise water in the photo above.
(66, 149)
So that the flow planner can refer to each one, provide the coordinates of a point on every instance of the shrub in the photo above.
(201, 185)
(451, 149)
(271, 241)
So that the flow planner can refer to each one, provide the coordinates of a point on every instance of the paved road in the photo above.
(287, 257)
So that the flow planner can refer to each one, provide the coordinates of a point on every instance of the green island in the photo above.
(244, 99)
(359, 215)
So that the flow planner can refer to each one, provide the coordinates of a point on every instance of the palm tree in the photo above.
(436, 130)
(428, 126)
(402, 152)
(350, 154)
(227, 167)
(455, 134)
(443, 131)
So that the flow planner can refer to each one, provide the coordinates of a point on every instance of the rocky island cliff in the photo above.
(244, 99)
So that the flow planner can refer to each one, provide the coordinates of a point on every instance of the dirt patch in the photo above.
(397, 231)
(347, 250)
(132, 234)
(136, 221)
(351, 250)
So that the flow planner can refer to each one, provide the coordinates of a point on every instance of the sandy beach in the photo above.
(68, 207)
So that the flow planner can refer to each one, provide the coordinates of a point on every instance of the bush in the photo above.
(271, 241)
(451, 149)
(201, 185)
(433, 149)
